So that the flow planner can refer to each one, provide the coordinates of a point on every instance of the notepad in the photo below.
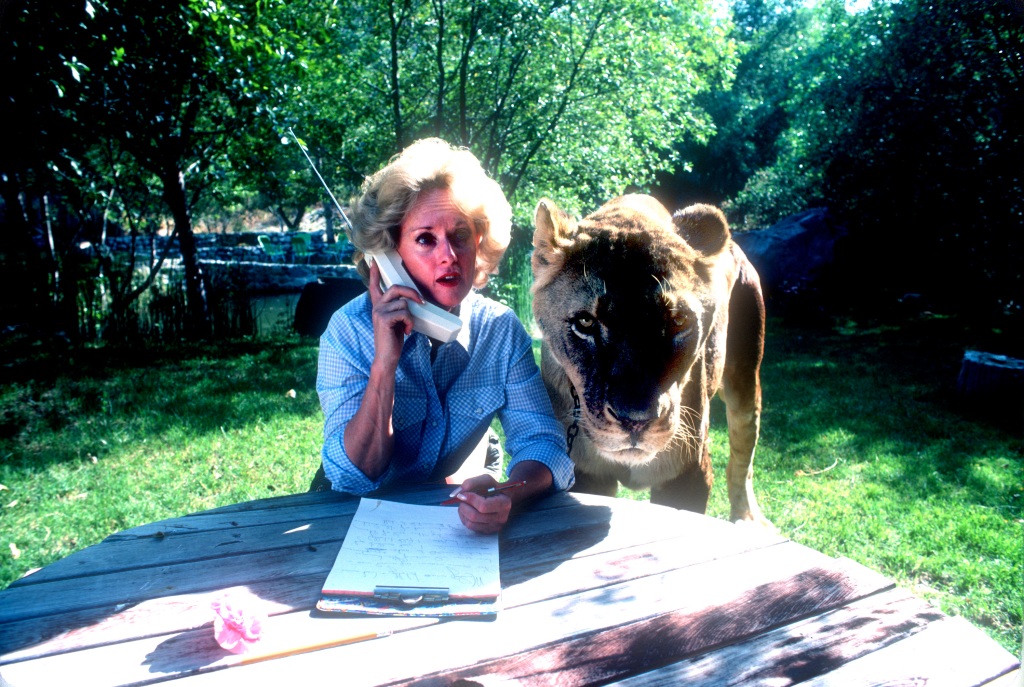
(404, 559)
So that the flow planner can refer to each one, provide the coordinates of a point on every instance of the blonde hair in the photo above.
(427, 164)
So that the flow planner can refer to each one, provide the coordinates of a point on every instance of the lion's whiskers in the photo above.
(685, 436)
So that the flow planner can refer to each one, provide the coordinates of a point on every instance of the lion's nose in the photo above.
(633, 421)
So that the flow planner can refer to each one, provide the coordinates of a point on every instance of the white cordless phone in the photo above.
(426, 318)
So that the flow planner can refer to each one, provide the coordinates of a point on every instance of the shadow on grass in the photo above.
(881, 393)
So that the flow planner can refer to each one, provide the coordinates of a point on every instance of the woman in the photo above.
(402, 408)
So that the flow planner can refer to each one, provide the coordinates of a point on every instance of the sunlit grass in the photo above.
(861, 455)
(90, 449)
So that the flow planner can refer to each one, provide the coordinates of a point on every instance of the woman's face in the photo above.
(438, 247)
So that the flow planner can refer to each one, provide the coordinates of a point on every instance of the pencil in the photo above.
(325, 644)
(483, 492)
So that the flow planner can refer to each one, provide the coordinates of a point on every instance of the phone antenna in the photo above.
(317, 172)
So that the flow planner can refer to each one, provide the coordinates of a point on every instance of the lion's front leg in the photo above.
(744, 426)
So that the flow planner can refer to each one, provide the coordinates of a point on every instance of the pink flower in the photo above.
(236, 626)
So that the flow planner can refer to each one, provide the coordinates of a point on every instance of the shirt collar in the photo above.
(465, 312)
(464, 337)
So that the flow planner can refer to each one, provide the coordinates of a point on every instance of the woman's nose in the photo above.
(447, 251)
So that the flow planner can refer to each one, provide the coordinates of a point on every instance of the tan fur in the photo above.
(648, 316)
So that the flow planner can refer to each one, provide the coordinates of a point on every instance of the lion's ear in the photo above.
(704, 227)
(552, 232)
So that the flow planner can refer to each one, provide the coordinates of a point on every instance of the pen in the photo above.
(483, 492)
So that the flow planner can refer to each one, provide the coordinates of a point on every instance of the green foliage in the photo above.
(906, 120)
(751, 116)
(576, 101)
(187, 103)
(129, 99)
(930, 159)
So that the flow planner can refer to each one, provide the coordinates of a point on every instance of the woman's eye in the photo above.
(425, 239)
(584, 326)
(461, 236)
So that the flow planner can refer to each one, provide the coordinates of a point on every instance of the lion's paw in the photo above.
(756, 523)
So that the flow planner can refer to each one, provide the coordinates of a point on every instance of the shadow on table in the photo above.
(184, 654)
(541, 539)
(619, 650)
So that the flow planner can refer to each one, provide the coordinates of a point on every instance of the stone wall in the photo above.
(258, 278)
(238, 261)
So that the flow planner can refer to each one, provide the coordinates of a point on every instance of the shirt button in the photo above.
(433, 423)
(479, 411)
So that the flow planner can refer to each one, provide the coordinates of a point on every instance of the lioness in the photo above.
(645, 316)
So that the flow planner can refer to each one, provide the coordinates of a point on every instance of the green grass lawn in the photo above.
(862, 454)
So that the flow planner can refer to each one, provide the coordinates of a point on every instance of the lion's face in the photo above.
(626, 305)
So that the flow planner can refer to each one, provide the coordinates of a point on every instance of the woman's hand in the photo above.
(488, 514)
(392, 320)
(483, 514)
(369, 436)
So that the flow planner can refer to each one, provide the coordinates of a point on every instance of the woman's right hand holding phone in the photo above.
(392, 320)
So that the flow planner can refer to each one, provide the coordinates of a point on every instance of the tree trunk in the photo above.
(198, 325)
(24, 279)
(396, 93)
(329, 220)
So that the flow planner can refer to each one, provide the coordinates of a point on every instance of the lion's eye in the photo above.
(680, 321)
(583, 326)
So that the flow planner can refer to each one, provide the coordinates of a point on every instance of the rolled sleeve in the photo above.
(531, 431)
(343, 372)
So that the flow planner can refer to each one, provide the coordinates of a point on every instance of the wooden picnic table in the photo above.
(594, 590)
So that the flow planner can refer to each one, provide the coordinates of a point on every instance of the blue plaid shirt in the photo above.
(488, 370)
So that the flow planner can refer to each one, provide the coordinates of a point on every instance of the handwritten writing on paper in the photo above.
(398, 544)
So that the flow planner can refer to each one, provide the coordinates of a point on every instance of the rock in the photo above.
(792, 255)
(992, 386)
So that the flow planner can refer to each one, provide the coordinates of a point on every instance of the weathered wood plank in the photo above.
(35, 637)
(526, 577)
(620, 650)
(1012, 679)
(157, 659)
(673, 614)
(595, 591)
(211, 534)
(802, 650)
(175, 547)
(134, 586)
(130, 570)
(950, 652)
(180, 563)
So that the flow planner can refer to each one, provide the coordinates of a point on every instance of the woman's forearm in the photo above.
(369, 435)
(537, 477)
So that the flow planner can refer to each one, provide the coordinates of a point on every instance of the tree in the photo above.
(907, 119)
(33, 181)
(930, 159)
(168, 83)
(171, 84)
(577, 99)
(777, 42)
